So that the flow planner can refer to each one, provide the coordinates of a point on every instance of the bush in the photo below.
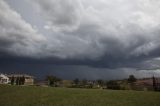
(113, 85)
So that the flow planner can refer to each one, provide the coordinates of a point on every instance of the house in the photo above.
(21, 79)
(4, 79)
(148, 83)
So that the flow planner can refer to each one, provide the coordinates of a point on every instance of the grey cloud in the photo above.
(72, 71)
(104, 27)
(59, 13)
(17, 36)
(96, 33)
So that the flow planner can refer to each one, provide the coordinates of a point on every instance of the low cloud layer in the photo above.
(104, 33)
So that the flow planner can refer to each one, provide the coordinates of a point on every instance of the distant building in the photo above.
(149, 83)
(28, 80)
(4, 79)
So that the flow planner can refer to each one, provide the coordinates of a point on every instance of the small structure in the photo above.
(21, 79)
(4, 79)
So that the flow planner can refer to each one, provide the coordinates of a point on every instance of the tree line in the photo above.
(17, 80)
(84, 83)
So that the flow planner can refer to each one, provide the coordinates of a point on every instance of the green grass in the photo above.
(41, 96)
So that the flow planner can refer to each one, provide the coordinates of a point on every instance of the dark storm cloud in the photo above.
(41, 70)
(100, 34)
(98, 31)
(125, 29)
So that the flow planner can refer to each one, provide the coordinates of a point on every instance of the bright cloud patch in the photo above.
(17, 36)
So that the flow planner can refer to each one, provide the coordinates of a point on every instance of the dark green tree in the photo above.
(76, 81)
(84, 82)
(100, 82)
(154, 83)
(52, 80)
(18, 81)
(113, 85)
(23, 80)
(12, 80)
(132, 79)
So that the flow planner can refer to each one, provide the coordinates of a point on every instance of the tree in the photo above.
(76, 81)
(154, 83)
(23, 80)
(132, 79)
(100, 82)
(52, 80)
(84, 82)
(113, 85)
(17, 81)
(12, 80)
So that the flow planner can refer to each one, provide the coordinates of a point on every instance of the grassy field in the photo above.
(41, 96)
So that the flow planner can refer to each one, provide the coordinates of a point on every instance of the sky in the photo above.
(91, 39)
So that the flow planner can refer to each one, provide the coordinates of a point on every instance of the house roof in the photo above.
(20, 75)
(3, 76)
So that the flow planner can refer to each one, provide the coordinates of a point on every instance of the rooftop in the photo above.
(20, 75)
